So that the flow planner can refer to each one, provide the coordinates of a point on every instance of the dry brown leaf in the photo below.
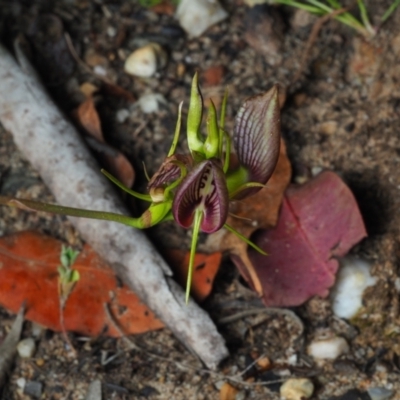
(227, 392)
(112, 160)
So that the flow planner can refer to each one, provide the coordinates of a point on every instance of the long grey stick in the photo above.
(55, 150)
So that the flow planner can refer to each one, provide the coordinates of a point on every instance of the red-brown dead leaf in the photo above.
(258, 211)
(89, 119)
(28, 272)
(205, 269)
(112, 160)
(319, 221)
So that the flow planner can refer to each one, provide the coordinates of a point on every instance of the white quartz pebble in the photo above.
(330, 348)
(26, 348)
(145, 61)
(196, 16)
(297, 389)
(352, 279)
(149, 103)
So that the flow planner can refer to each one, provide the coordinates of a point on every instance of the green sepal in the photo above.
(177, 131)
(211, 145)
(235, 179)
(114, 180)
(195, 115)
(156, 213)
(249, 242)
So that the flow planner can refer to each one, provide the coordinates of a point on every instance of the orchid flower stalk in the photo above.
(195, 189)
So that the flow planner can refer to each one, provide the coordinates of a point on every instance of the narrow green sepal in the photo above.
(177, 131)
(222, 121)
(114, 180)
(195, 115)
(212, 145)
(249, 242)
(237, 178)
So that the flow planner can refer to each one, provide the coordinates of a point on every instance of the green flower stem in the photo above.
(198, 216)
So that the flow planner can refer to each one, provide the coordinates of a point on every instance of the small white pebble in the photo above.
(37, 330)
(145, 61)
(21, 382)
(316, 171)
(240, 395)
(26, 348)
(122, 115)
(352, 279)
(218, 385)
(149, 103)
(380, 393)
(328, 348)
(111, 31)
(297, 389)
(100, 70)
(196, 16)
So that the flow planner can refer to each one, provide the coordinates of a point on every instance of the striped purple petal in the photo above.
(257, 136)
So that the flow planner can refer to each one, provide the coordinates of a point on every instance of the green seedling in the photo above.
(320, 8)
(67, 279)
(195, 189)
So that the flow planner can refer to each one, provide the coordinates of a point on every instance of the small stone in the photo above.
(328, 127)
(316, 171)
(264, 363)
(94, 391)
(26, 348)
(145, 61)
(196, 16)
(100, 70)
(149, 103)
(37, 330)
(122, 115)
(34, 389)
(297, 389)
(111, 31)
(92, 58)
(328, 348)
(40, 362)
(21, 382)
(353, 278)
(380, 393)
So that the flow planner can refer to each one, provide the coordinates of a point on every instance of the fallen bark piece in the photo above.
(319, 221)
(9, 347)
(55, 150)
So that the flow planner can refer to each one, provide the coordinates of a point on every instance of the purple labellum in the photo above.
(257, 137)
(204, 189)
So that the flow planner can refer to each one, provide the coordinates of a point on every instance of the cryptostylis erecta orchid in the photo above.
(195, 190)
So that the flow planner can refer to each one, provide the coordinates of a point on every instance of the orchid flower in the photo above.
(195, 190)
